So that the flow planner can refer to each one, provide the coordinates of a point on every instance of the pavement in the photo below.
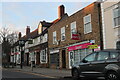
(48, 72)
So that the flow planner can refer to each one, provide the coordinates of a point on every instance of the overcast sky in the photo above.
(18, 15)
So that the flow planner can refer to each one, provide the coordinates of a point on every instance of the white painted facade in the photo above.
(111, 33)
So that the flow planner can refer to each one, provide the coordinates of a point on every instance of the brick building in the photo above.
(70, 36)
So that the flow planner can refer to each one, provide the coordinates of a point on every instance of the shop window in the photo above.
(116, 17)
(87, 24)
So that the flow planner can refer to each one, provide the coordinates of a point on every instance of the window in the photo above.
(113, 55)
(116, 17)
(46, 37)
(54, 37)
(62, 33)
(43, 56)
(73, 28)
(103, 56)
(91, 57)
(118, 44)
(87, 24)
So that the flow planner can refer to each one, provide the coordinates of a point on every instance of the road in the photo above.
(20, 75)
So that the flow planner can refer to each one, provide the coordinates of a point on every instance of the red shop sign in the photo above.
(75, 37)
(81, 46)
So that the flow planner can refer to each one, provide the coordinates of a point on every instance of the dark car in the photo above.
(104, 63)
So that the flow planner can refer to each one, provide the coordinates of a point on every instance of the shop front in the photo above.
(78, 52)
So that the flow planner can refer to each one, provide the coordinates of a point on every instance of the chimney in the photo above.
(27, 30)
(61, 11)
(19, 35)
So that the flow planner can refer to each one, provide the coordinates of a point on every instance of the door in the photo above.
(63, 59)
(71, 59)
(27, 59)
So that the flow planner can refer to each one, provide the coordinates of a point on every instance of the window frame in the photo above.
(43, 56)
(117, 17)
(73, 28)
(63, 33)
(86, 23)
(54, 37)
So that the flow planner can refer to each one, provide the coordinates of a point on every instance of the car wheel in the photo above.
(112, 76)
(75, 74)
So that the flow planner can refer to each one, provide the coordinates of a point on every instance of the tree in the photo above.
(8, 35)
(7, 39)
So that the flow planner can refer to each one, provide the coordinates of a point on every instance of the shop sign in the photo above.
(81, 46)
(92, 46)
(75, 37)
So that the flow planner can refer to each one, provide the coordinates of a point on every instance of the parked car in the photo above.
(104, 63)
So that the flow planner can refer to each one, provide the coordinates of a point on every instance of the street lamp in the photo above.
(21, 44)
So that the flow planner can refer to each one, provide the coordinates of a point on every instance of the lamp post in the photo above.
(21, 44)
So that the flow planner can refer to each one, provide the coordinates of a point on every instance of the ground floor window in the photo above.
(32, 56)
(43, 56)
(76, 56)
(54, 59)
(118, 44)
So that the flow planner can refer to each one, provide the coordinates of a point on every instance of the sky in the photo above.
(18, 15)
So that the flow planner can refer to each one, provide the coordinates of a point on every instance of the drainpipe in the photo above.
(100, 25)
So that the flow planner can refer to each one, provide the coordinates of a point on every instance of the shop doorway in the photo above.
(63, 59)
(27, 59)
(37, 58)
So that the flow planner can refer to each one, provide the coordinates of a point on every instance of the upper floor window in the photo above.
(46, 37)
(62, 33)
(87, 24)
(73, 28)
(116, 17)
(54, 37)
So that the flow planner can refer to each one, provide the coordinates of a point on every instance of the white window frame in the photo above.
(87, 23)
(43, 56)
(73, 28)
(63, 34)
(54, 37)
(116, 17)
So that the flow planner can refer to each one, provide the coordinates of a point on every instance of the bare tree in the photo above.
(7, 39)
(8, 35)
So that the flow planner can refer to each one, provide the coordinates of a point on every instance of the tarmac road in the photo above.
(20, 75)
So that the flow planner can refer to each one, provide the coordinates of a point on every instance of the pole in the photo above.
(21, 60)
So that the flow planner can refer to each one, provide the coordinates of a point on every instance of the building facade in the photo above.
(71, 36)
(111, 24)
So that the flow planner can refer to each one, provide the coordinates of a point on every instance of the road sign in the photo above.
(93, 46)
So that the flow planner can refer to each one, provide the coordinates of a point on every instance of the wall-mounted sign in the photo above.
(81, 46)
(75, 37)
(92, 46)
